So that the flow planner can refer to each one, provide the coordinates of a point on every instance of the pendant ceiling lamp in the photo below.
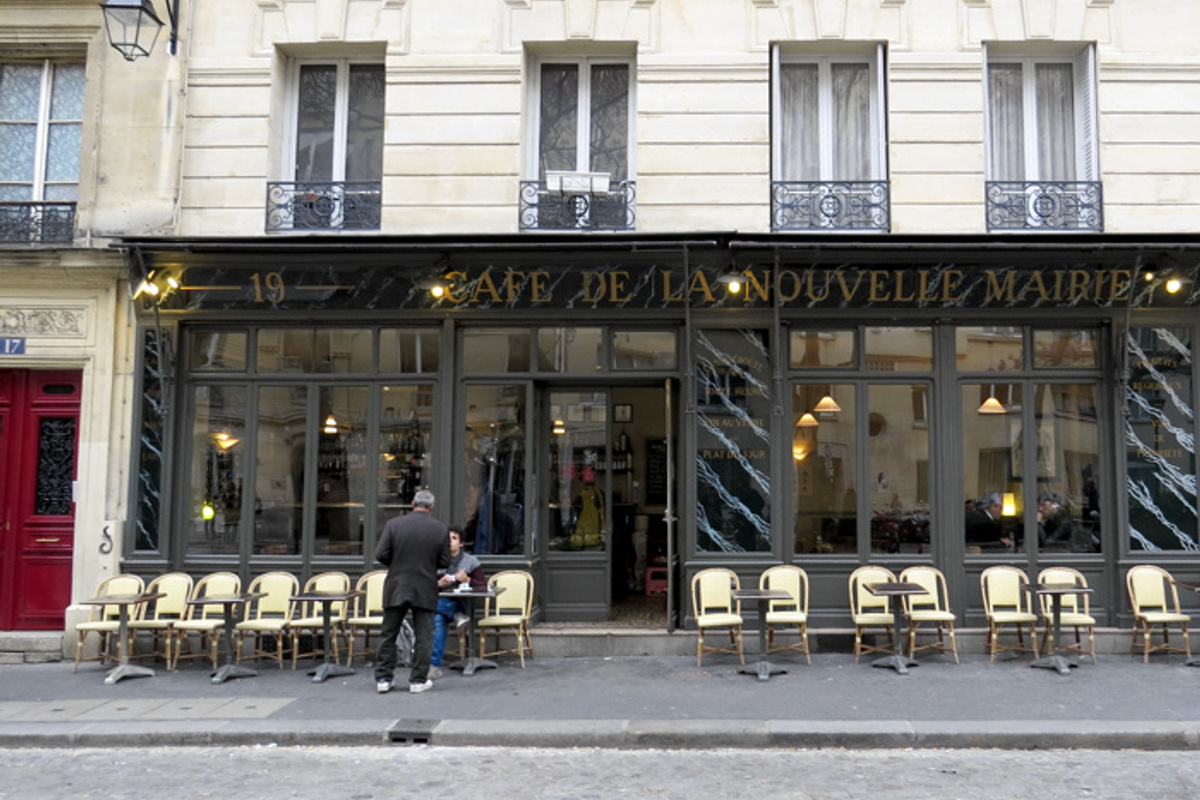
(827, 405)
(807, 420)
(992, 405)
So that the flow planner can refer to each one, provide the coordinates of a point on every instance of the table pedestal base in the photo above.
(229, 671)
(897, 662)
(1060, 663)
(763, 669)
(127, 671)
(329, 670)
(470, 664)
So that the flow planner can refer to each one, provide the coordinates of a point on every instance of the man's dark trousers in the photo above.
(393, 617)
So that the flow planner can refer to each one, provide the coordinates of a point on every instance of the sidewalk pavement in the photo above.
(622, 702)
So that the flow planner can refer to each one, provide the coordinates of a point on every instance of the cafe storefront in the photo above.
(614, 413)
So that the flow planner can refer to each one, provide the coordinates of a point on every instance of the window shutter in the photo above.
(1085, 95)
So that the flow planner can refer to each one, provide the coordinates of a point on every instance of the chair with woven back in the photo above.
(105, 620)
(933, 607)
(1007, 601)
(508, 611)
(366, 614)
(268, 617)
(713, 607)
(1155, 603)
(162, 613)
(870, 611)
(787, 614)
(309, 616)
(1075, 611)
(206, 620)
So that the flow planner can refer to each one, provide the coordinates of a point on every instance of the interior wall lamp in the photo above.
(133, 26)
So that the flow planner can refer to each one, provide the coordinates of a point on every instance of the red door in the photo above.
(39, 437)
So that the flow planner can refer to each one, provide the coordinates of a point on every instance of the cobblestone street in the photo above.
(382, 772)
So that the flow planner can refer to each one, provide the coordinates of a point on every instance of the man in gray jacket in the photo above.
(413, 547)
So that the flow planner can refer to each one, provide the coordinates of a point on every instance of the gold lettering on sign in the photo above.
(996, 290)
(537, 287)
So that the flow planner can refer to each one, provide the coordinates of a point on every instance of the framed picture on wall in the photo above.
(622, 412)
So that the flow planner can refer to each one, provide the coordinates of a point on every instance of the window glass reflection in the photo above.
(993, 467)
(341, 470)
(644, 349)
(492, 350)
(217, 470)
(494, 469)
(279, 479)
(824, 452)
(898, 457)
(821, 349)
(898, 349)
(409, 350)
(218, 351)
(1068, 468)
(577, 351)
(989, 349)
(1065, 349)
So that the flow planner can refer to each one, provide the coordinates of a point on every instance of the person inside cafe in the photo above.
(464, 569)
(1057, 530)
(984, 526)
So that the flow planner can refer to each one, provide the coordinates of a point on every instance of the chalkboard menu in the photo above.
(656, 472)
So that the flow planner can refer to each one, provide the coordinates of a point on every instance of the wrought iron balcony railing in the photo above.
(338, 206)
(831, 206)
(36, 223)
(542, 209)
(1045, 205)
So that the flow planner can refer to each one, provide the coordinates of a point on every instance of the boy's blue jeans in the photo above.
(443, 618)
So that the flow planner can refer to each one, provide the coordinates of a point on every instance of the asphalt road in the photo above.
(365, 773)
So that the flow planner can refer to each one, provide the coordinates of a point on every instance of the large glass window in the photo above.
(584, 117)
(339, 122)
(327, 460)
(825, 454)
(1032, 474)
(218, 469)
(1160, 445)
(829, 118)
(733, 415)
(492, 471)
(41, 128)
(579, 462)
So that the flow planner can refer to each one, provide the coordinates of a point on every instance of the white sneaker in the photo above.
(435, 673)
(417, 688)
(383, 687)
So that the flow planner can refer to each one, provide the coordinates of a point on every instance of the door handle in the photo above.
(52, 540)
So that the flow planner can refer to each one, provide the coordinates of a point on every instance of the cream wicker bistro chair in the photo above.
(933, 607)
(164, 612)
(1006, 601)
(208, 620)
(1075, 611)
(714, 607)
(269, 616)
(367, 612)
(309, 616)
(105, 620)
(786, 614)
(869, 611)
(1155, 602)
(509, 610)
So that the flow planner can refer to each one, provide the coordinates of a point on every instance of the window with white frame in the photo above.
(338, 121)
(583, 115)
(828, 123)
(1041, 117)
(41, 129)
